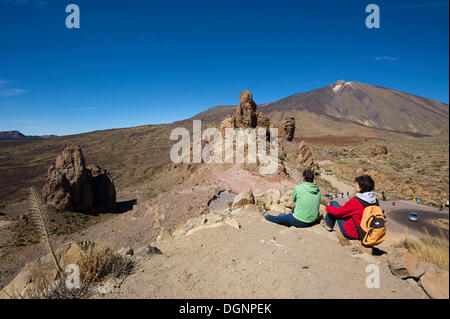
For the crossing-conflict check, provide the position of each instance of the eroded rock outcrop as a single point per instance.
(289, 128)
(245, 115)
(246, 111)
(305, 157)
(72, 186)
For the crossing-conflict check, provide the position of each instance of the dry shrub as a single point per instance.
(429, 249)
(58, 290)
(97, 262)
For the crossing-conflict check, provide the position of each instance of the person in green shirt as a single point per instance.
(307, 200)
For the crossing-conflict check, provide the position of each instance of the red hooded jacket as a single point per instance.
(353, 208)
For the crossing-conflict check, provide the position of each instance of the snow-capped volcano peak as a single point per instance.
(339, 85)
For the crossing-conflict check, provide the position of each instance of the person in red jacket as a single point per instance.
(351, 213)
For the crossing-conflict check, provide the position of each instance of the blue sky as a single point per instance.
(146, 61)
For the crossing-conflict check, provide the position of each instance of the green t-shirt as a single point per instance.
(307, 200)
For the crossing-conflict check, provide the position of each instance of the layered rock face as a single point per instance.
(305, 157)
(72, 186)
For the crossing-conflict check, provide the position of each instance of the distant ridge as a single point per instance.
(16, 135)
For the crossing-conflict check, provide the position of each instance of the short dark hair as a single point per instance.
(366, 183)
(308, 175)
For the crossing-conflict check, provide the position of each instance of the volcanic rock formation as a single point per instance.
(246, 111)
(289, 128)
(246, 115)
(71, 186)
(305, 157)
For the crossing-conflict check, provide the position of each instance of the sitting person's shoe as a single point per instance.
(325, 225)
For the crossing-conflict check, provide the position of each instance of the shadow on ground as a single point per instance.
(125, 206)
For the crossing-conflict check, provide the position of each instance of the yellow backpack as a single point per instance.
(372, 230)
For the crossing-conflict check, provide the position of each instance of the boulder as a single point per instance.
(395, 262)
(70, 185)
(278, 208)
(243, 198)
(286, 199)
(378, 150)
(435, 283)
(404, 265)
(263, 199)
(275, 194)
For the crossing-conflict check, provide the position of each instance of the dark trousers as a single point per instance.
(331, 220)
(288, 220)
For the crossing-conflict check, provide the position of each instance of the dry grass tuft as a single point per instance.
(58, 290)
(98, 262)
(432, 250)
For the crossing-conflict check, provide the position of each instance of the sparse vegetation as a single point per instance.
(56, 290)
(40, 218)
(60, 223)
(432, 250)
(412, 167)
(98, 262)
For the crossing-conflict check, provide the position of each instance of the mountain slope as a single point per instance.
(16, 135)
(11, 135)
(356, 105)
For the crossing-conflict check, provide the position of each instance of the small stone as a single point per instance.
(232, 222)
(153, 250)
(243, 198)
(105, 289)
(395, 261)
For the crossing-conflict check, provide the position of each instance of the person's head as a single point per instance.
(364, 183)
(308, 176)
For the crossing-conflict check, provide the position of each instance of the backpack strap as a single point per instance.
(357, 229)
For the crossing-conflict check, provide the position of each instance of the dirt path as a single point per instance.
(343, 187)
(260, 260)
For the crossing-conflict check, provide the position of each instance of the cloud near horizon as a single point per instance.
(11, 92)
(430, 4)
(37, 3)
(4, 92)
(386, 58)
